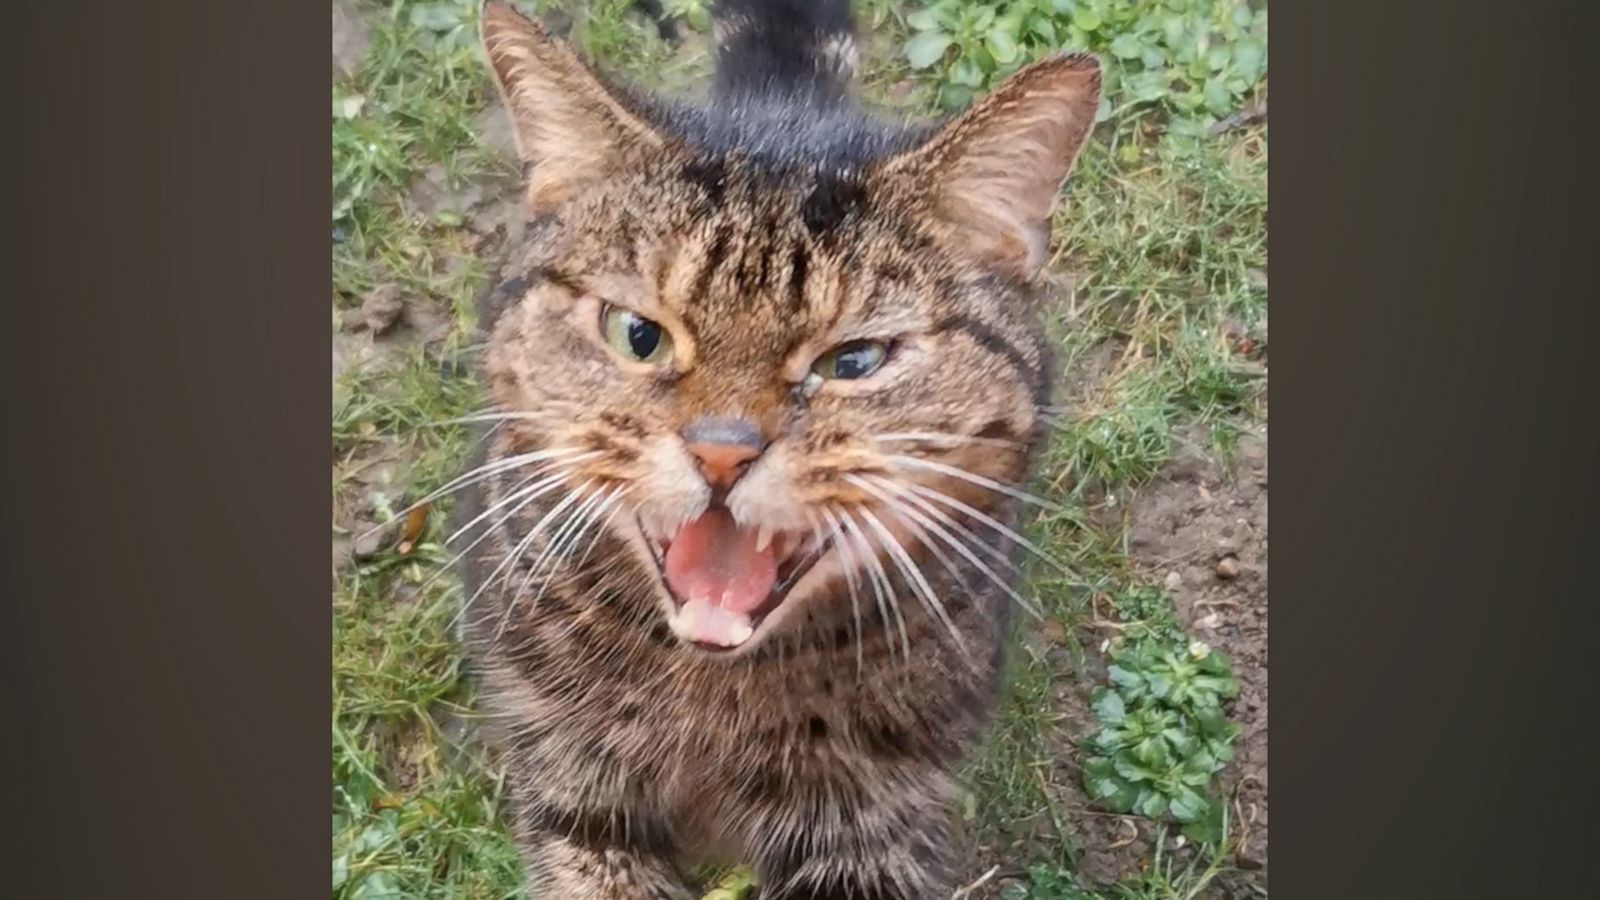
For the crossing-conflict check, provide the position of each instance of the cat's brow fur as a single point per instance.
(760, 230)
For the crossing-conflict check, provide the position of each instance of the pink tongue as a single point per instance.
(712, 559)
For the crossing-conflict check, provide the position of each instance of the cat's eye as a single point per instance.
(635, 336)
(856, 359)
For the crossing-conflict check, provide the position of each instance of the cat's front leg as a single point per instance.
(594, 854)
(891, 843)
(564, 867)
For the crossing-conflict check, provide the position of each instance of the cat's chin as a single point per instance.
(731, 629)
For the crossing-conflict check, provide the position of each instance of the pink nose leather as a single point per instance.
(722, 464)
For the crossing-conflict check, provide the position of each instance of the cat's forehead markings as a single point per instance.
(834, 198)
(691, 265)
(616, 287)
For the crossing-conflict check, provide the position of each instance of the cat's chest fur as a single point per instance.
(716, 751)
(611, 710)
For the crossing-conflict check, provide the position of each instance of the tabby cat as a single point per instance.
(762, 382)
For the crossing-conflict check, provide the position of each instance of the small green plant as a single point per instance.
(1195, 58)
(1163, 733)
(1046, 883)
(1161, 879)
(697, 13)
(738, 883)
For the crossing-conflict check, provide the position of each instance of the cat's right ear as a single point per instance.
(570, 129)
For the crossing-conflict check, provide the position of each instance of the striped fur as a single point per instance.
(759, 230)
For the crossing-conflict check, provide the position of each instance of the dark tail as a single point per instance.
(793, 48)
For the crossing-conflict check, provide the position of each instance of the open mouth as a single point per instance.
(726, 580)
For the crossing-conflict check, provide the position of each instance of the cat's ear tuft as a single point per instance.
(992, 175)
(571, 130)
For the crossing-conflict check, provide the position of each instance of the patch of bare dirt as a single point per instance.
(383, 329)
(351, 38)
(1199, 529)
(1202, 531)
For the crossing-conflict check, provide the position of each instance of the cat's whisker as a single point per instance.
(944, 437)
(904, 515)
(608, 508)
(897, 508)
(509, 557)
(999, 527)
(556, 455)
(615, 505)
(575, 523)
(971, 537)
(912, 462)
(881, 578)
(473, 418)
(913, 574)
(965, 551)
(588, 515)
(488, 470)
(581, 521)
(518, 491)
(849, 578)
(608, 567)
(522, 496)
(465, 607)
(849, 550)
(520, 549)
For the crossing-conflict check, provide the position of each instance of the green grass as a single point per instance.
(1161, 236)
(1163, 879)
(1162, 257)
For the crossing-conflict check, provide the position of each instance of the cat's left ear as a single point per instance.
(571, 130)
(990, 178)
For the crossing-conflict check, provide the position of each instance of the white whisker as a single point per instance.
(575, 523)
(912, 462)
(880, 578)
(909, 568)
(614, 505)
(972, 538)
(524, 504)
(561, 547)
(521, 548)
(488, 470)
(525, 496)
(971, 557)
(936, 437)
(897, 507)
(847, 563)
(518, 492)
(1010, 534)
(472, 418)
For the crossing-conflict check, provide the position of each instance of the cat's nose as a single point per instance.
(724, 447)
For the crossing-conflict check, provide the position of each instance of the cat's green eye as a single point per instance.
(856, 359)
(634, 336)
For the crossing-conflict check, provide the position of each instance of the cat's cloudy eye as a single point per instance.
(635, 336)
(856, 359)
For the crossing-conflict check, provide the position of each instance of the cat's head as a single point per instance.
(783, 367)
